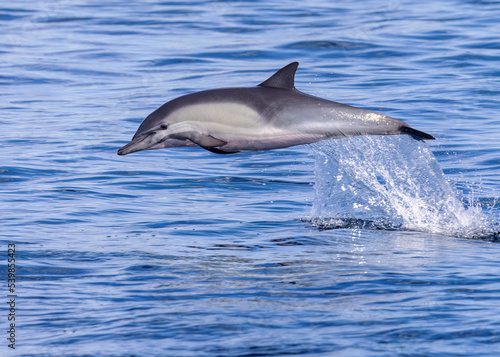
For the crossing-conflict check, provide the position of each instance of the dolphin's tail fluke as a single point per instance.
(416, 134)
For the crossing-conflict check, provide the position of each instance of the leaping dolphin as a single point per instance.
(272, 115)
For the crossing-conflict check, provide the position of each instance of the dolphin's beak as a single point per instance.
(153, 140)
(139, 143)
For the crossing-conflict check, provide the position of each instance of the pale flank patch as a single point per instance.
(227, 114)
(223, 120)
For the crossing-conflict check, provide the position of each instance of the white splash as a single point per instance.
(388, 182)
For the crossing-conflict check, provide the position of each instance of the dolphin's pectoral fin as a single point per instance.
(218, 151)
(210, 143)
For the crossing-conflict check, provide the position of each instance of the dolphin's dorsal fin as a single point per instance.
(283, 79)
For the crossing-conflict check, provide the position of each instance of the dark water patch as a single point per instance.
(9, 15)
(327, 45)
(466, 60)
(260, 23)
(239, 30)
(267, 348)
(468, 334)
(287, 241)
(179, 224)
(207, 183)
(230, 247)
(145, 267)
(433, 36)
(386, 53)
(69, 190)
(134, 23)
(243, 55)
(175, 61)
(41, 273)
(472, 58)
(94, 55)
(12, 179)
(13, 173)
(36, 79)
(481, 44)
(58, 221)
(58, 20)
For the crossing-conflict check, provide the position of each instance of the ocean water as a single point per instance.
(369, 246)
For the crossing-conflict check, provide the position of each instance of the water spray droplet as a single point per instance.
(389, 182)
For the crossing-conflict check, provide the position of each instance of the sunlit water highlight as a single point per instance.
(389, 182)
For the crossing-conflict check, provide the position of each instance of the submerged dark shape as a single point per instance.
(272, 115)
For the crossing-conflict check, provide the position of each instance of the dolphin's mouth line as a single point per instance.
(125, 149)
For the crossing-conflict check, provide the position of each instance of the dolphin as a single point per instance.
(272, 115)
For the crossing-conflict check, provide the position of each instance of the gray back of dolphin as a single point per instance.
(270, 116)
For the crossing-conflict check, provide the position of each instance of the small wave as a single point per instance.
(390, 182)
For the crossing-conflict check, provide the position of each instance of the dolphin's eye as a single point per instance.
(164, 126)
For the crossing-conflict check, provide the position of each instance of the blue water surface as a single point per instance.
(182, 252)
